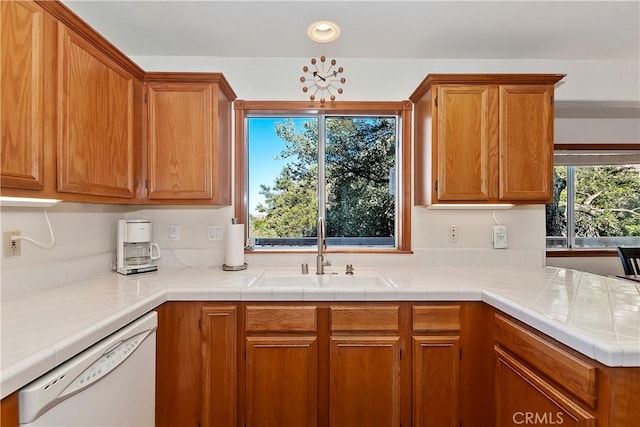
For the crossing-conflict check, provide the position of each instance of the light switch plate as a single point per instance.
(499, 237)
(214, 232)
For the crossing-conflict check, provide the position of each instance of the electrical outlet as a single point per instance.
(453, 234)
(11, 247)
(214, 232)
(174, 232)
(499, 237)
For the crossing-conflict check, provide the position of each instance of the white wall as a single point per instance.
(86, 230)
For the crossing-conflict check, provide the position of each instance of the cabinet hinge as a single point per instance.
(145, 184)
(400, 354)
(245, 355)
(436, 185)
(436, 101)
(200, 324)
(145, 98)
(551, 100)
(460, 353)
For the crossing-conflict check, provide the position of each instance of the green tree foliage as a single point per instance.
(607, 202)
(360, 154)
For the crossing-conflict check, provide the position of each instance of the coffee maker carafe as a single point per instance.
(135, 250)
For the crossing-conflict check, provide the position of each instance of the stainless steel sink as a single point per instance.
(292, 279)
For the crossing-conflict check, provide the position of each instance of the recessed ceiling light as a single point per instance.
(323, 31)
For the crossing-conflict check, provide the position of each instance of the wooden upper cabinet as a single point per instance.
(484, 138)
(96, 120)
(466, 142)
(22, 73)
(526, 143)
(188, 138)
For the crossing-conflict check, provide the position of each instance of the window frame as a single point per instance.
(403, 109)
(586, 252)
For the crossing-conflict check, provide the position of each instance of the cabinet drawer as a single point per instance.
(577, 376)
(436, 318)
(281, 318)
(372, 318)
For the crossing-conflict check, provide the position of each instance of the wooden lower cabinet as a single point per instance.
(281, 381)
(523, 397)
(9, 411)
(436, 381)
(364, 375)
(219, 365)
(391, 364)
(179, 365)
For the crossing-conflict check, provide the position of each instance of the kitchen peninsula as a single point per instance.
(572, 336)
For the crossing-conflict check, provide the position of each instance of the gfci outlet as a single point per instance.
(499, 237)
(453, 233)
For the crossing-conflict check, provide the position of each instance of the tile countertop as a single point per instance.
(597, 316)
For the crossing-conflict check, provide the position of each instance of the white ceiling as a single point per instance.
(533, 29)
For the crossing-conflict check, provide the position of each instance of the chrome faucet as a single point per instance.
(321, 263)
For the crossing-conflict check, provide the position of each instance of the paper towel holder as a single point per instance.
(226, 267)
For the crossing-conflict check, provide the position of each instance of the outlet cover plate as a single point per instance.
(11, 248)
(499, 237)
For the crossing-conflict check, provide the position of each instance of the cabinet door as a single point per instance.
(22, 72)
(178, 365)
(526, 143)
(523, 397)
(219, 366)
(180, 140)
(96, 120)
(281, 382)
(436, 366)
(364, 381)
(466, 142)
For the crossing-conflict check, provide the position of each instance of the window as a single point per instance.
(596, 199)
(340, 164)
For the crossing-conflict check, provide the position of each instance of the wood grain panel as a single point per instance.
(22, 75)
(281, 318)
(364, 385)
(436, 318)
(464, 142)
(219, 366)
(523, 396)
(526, 143)
(178, 365)
(96, 120)
(365, 318)
(577, 376)
(436, 379)
(422, 150)
(9, 413)
(180, 140)
(281, 382)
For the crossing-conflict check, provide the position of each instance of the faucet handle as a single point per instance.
(349, 269)
(326, 263)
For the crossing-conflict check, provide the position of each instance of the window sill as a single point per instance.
(381, 251)
(581, 253)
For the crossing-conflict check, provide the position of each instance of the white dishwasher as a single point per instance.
(109, 384)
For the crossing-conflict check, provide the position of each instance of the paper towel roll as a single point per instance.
(235, 245)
